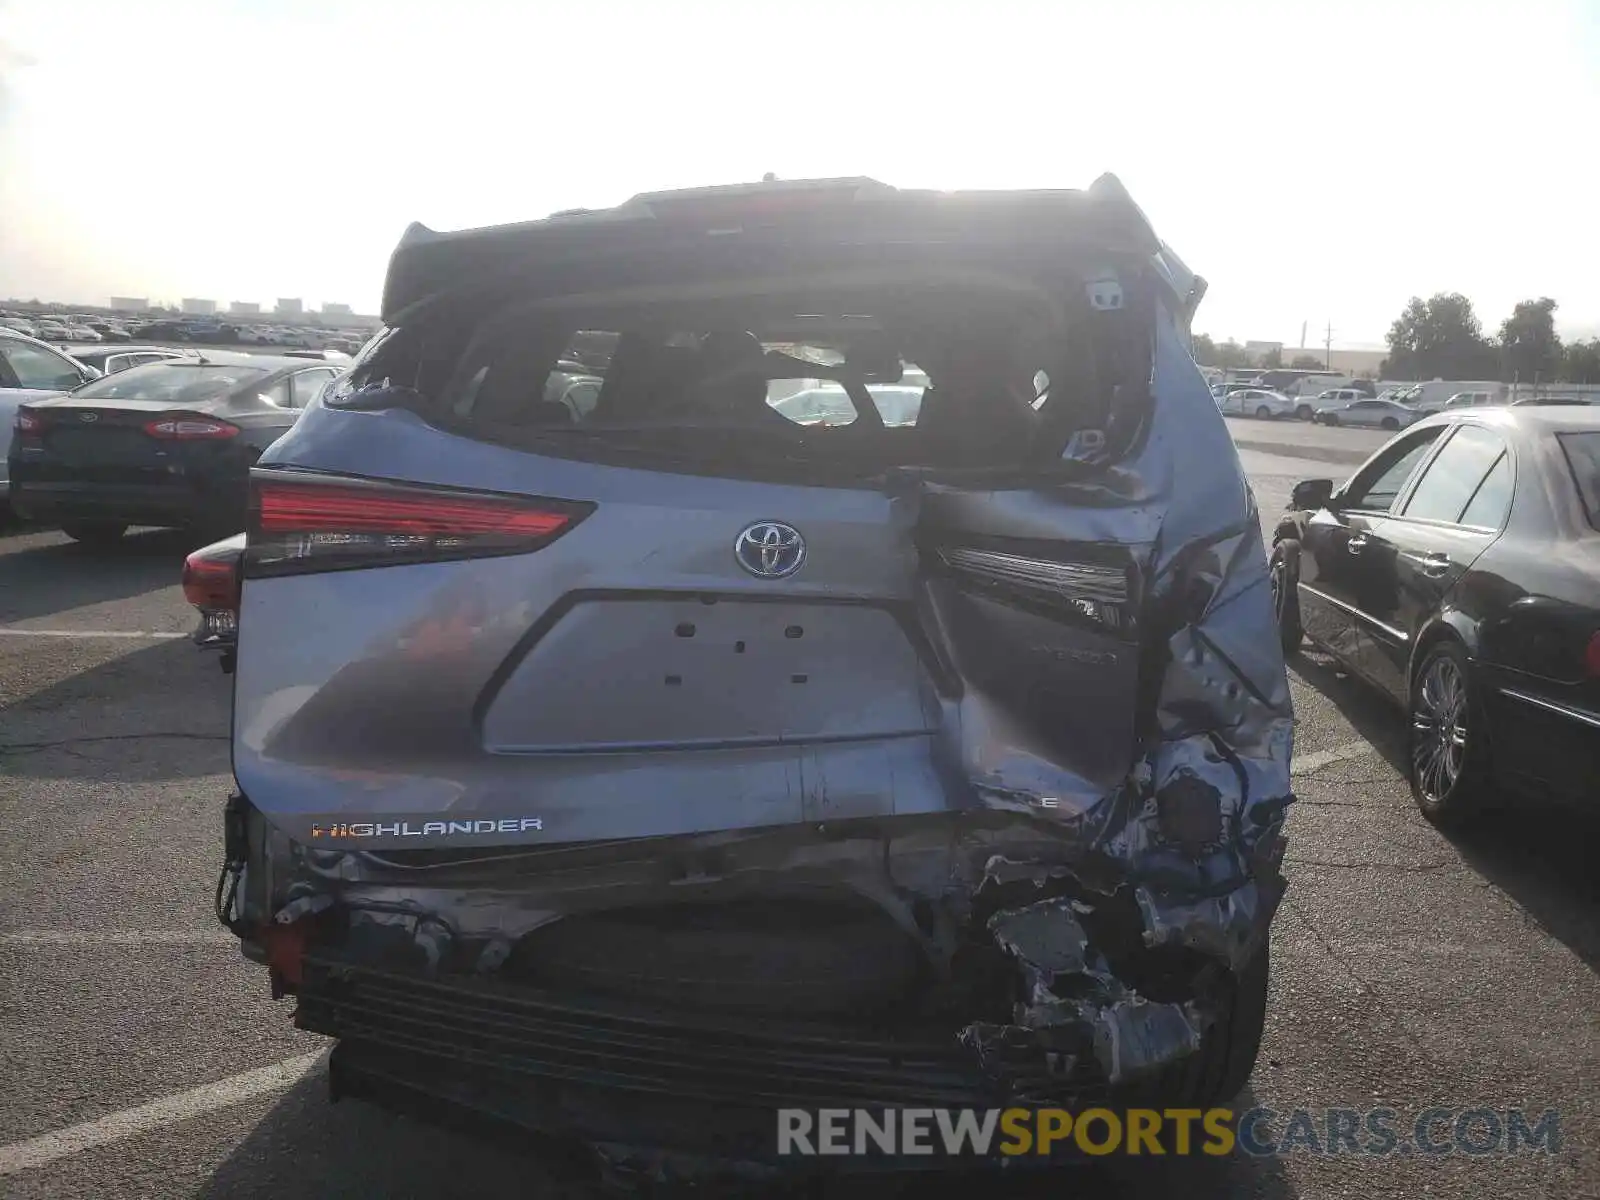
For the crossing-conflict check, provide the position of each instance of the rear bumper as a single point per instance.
(132, 504)
(543, 1042)
(596, 1075)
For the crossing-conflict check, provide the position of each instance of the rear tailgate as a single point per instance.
(630, 678)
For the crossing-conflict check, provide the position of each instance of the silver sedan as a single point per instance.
(1373, 414)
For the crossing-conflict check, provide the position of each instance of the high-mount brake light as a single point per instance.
(757, 205)
(313, 525)
(182, 428)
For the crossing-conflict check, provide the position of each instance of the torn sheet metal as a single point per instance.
(1073, 996)
(1196, 824)
(1230, 927)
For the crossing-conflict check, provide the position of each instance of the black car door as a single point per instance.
(1335, 575)
(1417, 552)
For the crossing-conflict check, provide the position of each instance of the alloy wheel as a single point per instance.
(1439, 729)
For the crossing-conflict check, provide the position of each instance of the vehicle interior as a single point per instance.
(1008, 369)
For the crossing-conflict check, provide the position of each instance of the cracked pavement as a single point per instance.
(1410, 968)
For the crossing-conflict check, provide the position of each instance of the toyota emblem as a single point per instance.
(88, 416)
(770, 549)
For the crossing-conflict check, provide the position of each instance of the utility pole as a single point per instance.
(1302, 335)
(1327, 349)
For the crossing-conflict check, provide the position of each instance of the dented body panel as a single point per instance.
(1038, 731)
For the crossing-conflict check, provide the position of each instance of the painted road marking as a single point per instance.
(131, 937)
(169, 1110)
(89, 633)
(1305, 764)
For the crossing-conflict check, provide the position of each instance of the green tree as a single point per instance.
(1439, 338)
(1203, 349)
(1231, 355)
(1529, 347)
(1305, 362)
(1580, 362)
(1272, 359)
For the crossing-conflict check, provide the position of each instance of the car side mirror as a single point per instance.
(1312, 494)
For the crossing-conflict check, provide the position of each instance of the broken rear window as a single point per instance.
(892, 370)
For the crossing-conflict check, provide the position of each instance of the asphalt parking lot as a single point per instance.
(143, 1056)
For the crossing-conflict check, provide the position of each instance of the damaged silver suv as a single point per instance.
(625, 762)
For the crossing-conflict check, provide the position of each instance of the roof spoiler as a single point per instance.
(428, 262)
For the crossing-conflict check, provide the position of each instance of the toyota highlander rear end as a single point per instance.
(625, 763)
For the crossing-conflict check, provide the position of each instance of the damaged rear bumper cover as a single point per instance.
(1085, 985)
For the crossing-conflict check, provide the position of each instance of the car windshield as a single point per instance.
(1583, 456)
(188, 383)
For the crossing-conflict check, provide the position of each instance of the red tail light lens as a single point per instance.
(27, 422)
(1591, 657)
(190, 429)
(211, 583)
(319, 526)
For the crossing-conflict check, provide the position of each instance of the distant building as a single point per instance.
(244, 308)
(290, 307)
(1260, 350)
(335, 310)
(130, 303)
(197, 307)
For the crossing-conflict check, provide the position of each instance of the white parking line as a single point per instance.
(89, 633)
(169, 1110)
(1305, 764)
(130, 937)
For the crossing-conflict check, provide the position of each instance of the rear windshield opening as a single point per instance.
(915, 376)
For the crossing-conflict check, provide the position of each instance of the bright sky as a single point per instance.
(1315, 161)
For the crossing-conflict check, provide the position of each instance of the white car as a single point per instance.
(1256, 402)
(52, 331)
(1307, 407)
(30, 370)
(1371, 414)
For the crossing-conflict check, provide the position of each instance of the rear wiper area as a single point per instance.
(380, 395)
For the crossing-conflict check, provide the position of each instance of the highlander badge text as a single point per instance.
(367, 829)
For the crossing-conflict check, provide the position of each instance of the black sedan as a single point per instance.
(1458, 571)
(169, 443)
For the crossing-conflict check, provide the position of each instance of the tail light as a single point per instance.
(28, 422)
(324, 526)
(1591, 657)
(211, 583)
(183, 428)
(1099, 592)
